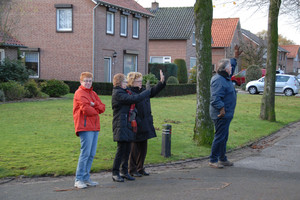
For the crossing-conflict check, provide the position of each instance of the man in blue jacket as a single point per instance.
(222, 105)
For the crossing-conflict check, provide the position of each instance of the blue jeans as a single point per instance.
(88, 141)
(218, 148)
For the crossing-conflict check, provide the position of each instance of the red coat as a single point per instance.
(86, 117)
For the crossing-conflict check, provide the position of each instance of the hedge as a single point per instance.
(169, 69)
(99, 88)
(169, 90)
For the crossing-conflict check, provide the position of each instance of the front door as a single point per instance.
(107, 69)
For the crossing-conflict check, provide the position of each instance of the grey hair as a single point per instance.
(223, 64)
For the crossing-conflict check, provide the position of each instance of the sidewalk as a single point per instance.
(268, 170)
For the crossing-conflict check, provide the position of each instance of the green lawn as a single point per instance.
(37, 138)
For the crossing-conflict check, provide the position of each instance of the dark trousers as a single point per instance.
(218, 148)
(121, 158)
(137, 156)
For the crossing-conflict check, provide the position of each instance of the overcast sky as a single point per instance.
(250, 20)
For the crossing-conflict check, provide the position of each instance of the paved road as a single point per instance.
(268, 170)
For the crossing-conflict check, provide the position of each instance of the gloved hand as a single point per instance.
(222, 112)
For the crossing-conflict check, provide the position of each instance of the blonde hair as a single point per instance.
(118, 79)
(132, 76)
(85, 75)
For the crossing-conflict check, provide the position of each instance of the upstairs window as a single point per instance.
(193, 39)
(64, 17)
(123, 25)
(110, 23)
(135, 28)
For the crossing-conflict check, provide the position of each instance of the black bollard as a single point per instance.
(166, 140)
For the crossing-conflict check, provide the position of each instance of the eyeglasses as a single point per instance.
(138, 81)
(87, 81)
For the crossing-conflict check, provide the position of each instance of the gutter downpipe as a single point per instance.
(94, 38)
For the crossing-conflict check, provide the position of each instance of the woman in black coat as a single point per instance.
(122, 99)
(144, 120)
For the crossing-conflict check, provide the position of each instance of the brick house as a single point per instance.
(293, 58)
(67, 37)
(257, 42)
(9, 47)
(172, 36)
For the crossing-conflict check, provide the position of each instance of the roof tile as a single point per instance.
(127, 4)
(222, 31)
(9, 40)
(293, 49)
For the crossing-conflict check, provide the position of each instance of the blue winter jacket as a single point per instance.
(222, 94)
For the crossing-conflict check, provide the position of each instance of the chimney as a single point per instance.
(154, 6)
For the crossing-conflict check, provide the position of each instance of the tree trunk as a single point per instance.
(267, 111)
(204, 129)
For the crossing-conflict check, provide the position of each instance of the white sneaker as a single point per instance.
(80, 184)
(91, 183)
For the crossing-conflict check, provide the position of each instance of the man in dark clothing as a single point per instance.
(222, 106)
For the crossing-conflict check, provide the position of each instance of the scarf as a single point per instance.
(132, 115)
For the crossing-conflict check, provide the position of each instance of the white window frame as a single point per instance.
(136, 60)
(109, 70)
(165, 59)
(135, 30)
(123, 25)
(63, 29)
(194, 39)
(38, 62)
(2, 55)
(194, 59)
(110, 25)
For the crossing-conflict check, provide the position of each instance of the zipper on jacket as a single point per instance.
(84, 120)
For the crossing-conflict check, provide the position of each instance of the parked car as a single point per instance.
(286, 84)
(298, 77)
(239, 78)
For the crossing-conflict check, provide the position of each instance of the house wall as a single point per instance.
(63, 55)
(10, 52)
(217, 55)
(107, 44)
(177, 49)
(282, 61)
(190, 52)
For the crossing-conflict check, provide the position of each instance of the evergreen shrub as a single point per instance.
(172, 80)
(151, 77)
(2, 96)
(13, 90)
(55, 88)
(32, 89)
(182, 71)
(253, 72)
(169, 69)
(193, 75)
(13, 70)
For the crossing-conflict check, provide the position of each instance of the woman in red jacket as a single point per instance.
(86, 109)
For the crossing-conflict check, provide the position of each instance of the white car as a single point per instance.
(286, 84)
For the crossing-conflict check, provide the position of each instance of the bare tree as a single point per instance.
(8, 20)
(204, 129)
(253, 54)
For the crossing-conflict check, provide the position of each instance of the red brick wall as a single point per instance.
(174, 48)
(62, 55)
(65, 55)
(107, 44)
(217, 55)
